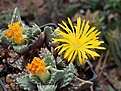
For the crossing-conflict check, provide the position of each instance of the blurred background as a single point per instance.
(104, 14)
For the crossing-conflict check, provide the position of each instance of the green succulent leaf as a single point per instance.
(48, 38)
(26, 84)
(34, 79)
(20, 48)
(55, 75)
(32, 31)
(3, 39)
(16, 16)
(68, 76)
(48, 31)
(28, 32)
(54, 34)
(35, 30)
(1, 36)
(46, 87)
(47, 56)
(77, 84)
(18, 62)
(60, 62)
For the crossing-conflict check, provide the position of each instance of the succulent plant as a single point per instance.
(46, 87)
(66, 75)
(19, 35)
(48, 54)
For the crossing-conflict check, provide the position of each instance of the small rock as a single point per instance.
(8, 79)
(17, 87)
(7, 86)
(13, 86)
(10, 75)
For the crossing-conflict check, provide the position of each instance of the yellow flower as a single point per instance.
(18, 40)
(37, 65)
(78, 41)
(8, 33)
(15, 32)
(15, 29)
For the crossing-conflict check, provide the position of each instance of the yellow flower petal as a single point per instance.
(63, 49)
(79, 42)
(92, 53)
(71, 24)
(86, 28)
(74, 56)
(78, 25)
(68, 51)
(71, 55)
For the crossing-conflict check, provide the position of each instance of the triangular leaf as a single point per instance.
(46, 87)
(26, 84)
(20, 48)
(55, 75)
(16, 16)
(77, 84)
(47, 56)
(68, 76)
(34, 79)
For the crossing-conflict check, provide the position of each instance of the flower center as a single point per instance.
(76, 43)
